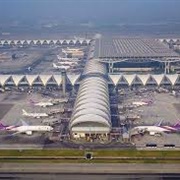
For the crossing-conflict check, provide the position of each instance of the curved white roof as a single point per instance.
(97, 97)
(101, 88)
(91, 105)
(94, 66)
(92, 111)
(91, 108)
(100, 102)
(95, 91)
(90, 118)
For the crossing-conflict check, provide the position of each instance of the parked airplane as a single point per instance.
(65, 63)
(61, 67)
(71, 50)
(29, 68)
(157, 129)
(67, 59)
(141, 103)
(42, 104)
(61, 100)
(34, 115)
(26, 128)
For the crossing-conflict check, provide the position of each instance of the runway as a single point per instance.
(89, 168)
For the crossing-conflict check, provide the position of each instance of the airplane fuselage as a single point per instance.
(29, 128)
(38, 115)
(156, 129)
(44, 104)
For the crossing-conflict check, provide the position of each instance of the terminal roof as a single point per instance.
(129, 48)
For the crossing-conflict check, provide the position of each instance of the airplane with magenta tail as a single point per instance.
(25, 128)
(157, 129)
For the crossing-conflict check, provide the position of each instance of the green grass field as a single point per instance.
(96, 153)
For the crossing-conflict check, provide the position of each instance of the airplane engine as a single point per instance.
(29, 133)
(152, 133)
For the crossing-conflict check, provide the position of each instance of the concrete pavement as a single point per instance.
(83, 168)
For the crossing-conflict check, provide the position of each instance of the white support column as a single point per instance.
(168, 66)
(165, 68)
(63, 73)
(109, 65)
(112, 65)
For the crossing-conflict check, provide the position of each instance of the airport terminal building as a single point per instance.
(91, 117)
(135, 53)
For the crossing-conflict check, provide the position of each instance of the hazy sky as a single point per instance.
(95, 11)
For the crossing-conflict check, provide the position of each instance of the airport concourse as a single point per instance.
(91, 115)
(101, 91)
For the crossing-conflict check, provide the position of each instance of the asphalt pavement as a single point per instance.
(90, 168)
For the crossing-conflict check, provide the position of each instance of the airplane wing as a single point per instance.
(13, 134)
(19, 132)
(24, 123)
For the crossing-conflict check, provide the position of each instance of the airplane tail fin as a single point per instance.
(24, 123)
(24, 112)
(31, 101)
(177, 124)
(54, 65)
(2, 126)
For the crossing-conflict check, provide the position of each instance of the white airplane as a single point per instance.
(61, 100)
(67, 59)
(61, 67)
(29, 68)
(34, 115)
(157, 129)
(26, 128)
(141, 103)
(67, 63)
(71, 49)
(42, 104)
